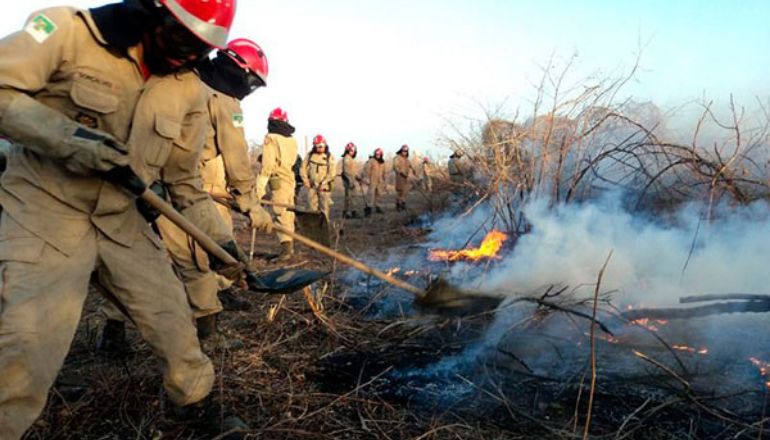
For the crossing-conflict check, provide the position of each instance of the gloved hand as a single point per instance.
(261, 188)
(126, 178)
(231, 271)
(260, 219)
(93, 151)
(148, 212)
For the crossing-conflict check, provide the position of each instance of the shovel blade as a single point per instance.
(446, 299)
(314, 226)
(283, 281)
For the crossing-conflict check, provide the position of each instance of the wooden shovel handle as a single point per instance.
(342, 258)
(224, 199)
(176, 218)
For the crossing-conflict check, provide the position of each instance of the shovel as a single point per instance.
(278, 282)
(314, 224)
(439, 295)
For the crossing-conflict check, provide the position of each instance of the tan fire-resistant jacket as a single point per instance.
(58, 60)
(279, 153)
(348, 170)
(225, 137)
(402, 167)
(373, 173)
(318, 169)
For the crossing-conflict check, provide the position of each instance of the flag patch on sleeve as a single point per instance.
(41, 28)
(238, 120)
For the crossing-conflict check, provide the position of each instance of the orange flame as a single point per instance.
(650, 324)
(489, 248)
(682, 347)
(764, 368)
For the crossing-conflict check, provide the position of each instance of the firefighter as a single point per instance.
(403, 171)
(458, 171)
(86, 98)
(233, 74)
(373, 175)
(318, 176)
(348, 174)
(427, 175)
(278, 156)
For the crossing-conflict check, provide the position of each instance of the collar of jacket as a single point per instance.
(281, 128)
(117, 27)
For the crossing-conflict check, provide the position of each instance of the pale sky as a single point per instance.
(383, 73)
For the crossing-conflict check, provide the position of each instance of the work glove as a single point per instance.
(233, 271)
(50, 133)
(261, 188)
(260, 219)
(94, 151)
(126, 178)
(148, 212)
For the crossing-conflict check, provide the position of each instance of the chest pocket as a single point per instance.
(169, 130)
(92, 104)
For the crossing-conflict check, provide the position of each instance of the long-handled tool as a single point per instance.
(281, 281)
(439, 294)
(314, 224)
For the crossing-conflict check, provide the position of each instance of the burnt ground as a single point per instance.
(342, 370)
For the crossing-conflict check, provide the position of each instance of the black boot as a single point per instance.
(287, 251)
(231, 301)
(378, 210)
(207, 326)
(112, 340)
(367, 211)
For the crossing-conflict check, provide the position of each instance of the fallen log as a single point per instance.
(696, 312)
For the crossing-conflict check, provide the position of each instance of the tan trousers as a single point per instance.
(427, 184)
(319, 201)
(284, 194)
(373, 194)
(402, 188)
(190, 260)
(42, 292)
(350, 194)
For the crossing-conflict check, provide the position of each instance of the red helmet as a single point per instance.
(279, 114)
(209, 20)
(426, 159)
(378, 152)
(404, 147)
(350, 147)
(248, 55)
(319, 139)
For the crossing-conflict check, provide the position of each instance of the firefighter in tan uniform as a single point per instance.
(233, 74)
(90, 123)
(373, 175)
(457, 169)
(426, 181)
(318, 176)
(349, 175)
(279, 153)
(403, 171)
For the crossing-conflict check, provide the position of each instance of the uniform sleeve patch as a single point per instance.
(238, 120)
(41, 28)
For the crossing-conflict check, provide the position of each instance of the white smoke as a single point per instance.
(651, 259)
